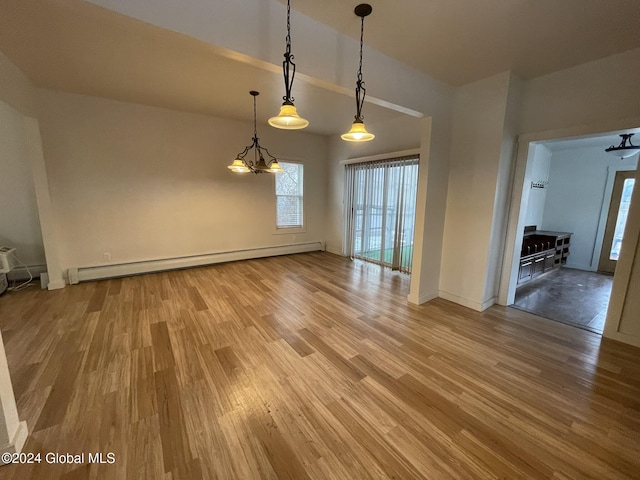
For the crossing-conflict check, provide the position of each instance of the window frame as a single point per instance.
(296, 229)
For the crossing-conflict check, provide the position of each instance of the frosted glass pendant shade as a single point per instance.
(358, 133)
(275, 167)
(238, 166)
(288, 118)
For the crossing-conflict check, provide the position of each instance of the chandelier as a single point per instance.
(358, 132)
(288, 118)
(623, 150)
(258, 164)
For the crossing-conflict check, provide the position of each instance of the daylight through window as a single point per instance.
(289, 196)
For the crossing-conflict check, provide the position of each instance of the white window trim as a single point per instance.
(291, 230)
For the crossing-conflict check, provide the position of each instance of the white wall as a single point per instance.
(629, 324)
(576, 198)
(479, 114)
(504, 180)
(540, 165)
(605, 89)
(145, 183)
(16, 89)
(19, 223)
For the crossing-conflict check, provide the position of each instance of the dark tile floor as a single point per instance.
(570, 296)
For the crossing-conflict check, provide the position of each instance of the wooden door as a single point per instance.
(616, 220)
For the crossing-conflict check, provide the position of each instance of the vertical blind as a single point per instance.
(380, 201)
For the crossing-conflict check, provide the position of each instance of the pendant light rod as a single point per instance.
(362, 10)
(288, 65)
(288, 118)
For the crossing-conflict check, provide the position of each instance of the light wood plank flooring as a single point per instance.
(311, 367)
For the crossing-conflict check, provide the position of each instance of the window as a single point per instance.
(621, 222)
(380, 204)
(289, 196)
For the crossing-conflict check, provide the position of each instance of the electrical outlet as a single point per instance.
(106, 256)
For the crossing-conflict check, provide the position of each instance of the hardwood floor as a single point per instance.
(310, 367)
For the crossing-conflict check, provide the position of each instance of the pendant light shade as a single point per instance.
(358, 132)
(242, 164)
(288, 118)
(624, 150)
(238, 166)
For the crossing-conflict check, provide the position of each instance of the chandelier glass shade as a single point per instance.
(243, 162)
(288, 118)
(358, 132)
(624, 150)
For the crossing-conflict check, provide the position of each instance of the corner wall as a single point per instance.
(133, 183)
(540, 167)
(19, 221)
(478, 168)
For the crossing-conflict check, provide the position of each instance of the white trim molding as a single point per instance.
(466, 302)
(84, 274)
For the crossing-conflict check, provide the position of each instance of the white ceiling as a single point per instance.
(78, 47)
(461, 41)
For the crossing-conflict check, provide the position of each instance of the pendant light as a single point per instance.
(258, 165)
(358, 132)
(623, 150)
(288, 118)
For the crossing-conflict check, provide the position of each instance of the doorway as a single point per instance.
(580, 187)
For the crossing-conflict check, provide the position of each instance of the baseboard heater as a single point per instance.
(84, 274)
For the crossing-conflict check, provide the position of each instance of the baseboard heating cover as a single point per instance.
(84, 274)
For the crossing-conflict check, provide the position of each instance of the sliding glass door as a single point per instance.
(380, 200)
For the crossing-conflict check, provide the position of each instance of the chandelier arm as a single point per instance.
(243, 154)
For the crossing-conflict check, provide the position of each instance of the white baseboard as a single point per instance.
(465, 302)
(418, 299)
(83, 274)
(623, 337)
(335, 251)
